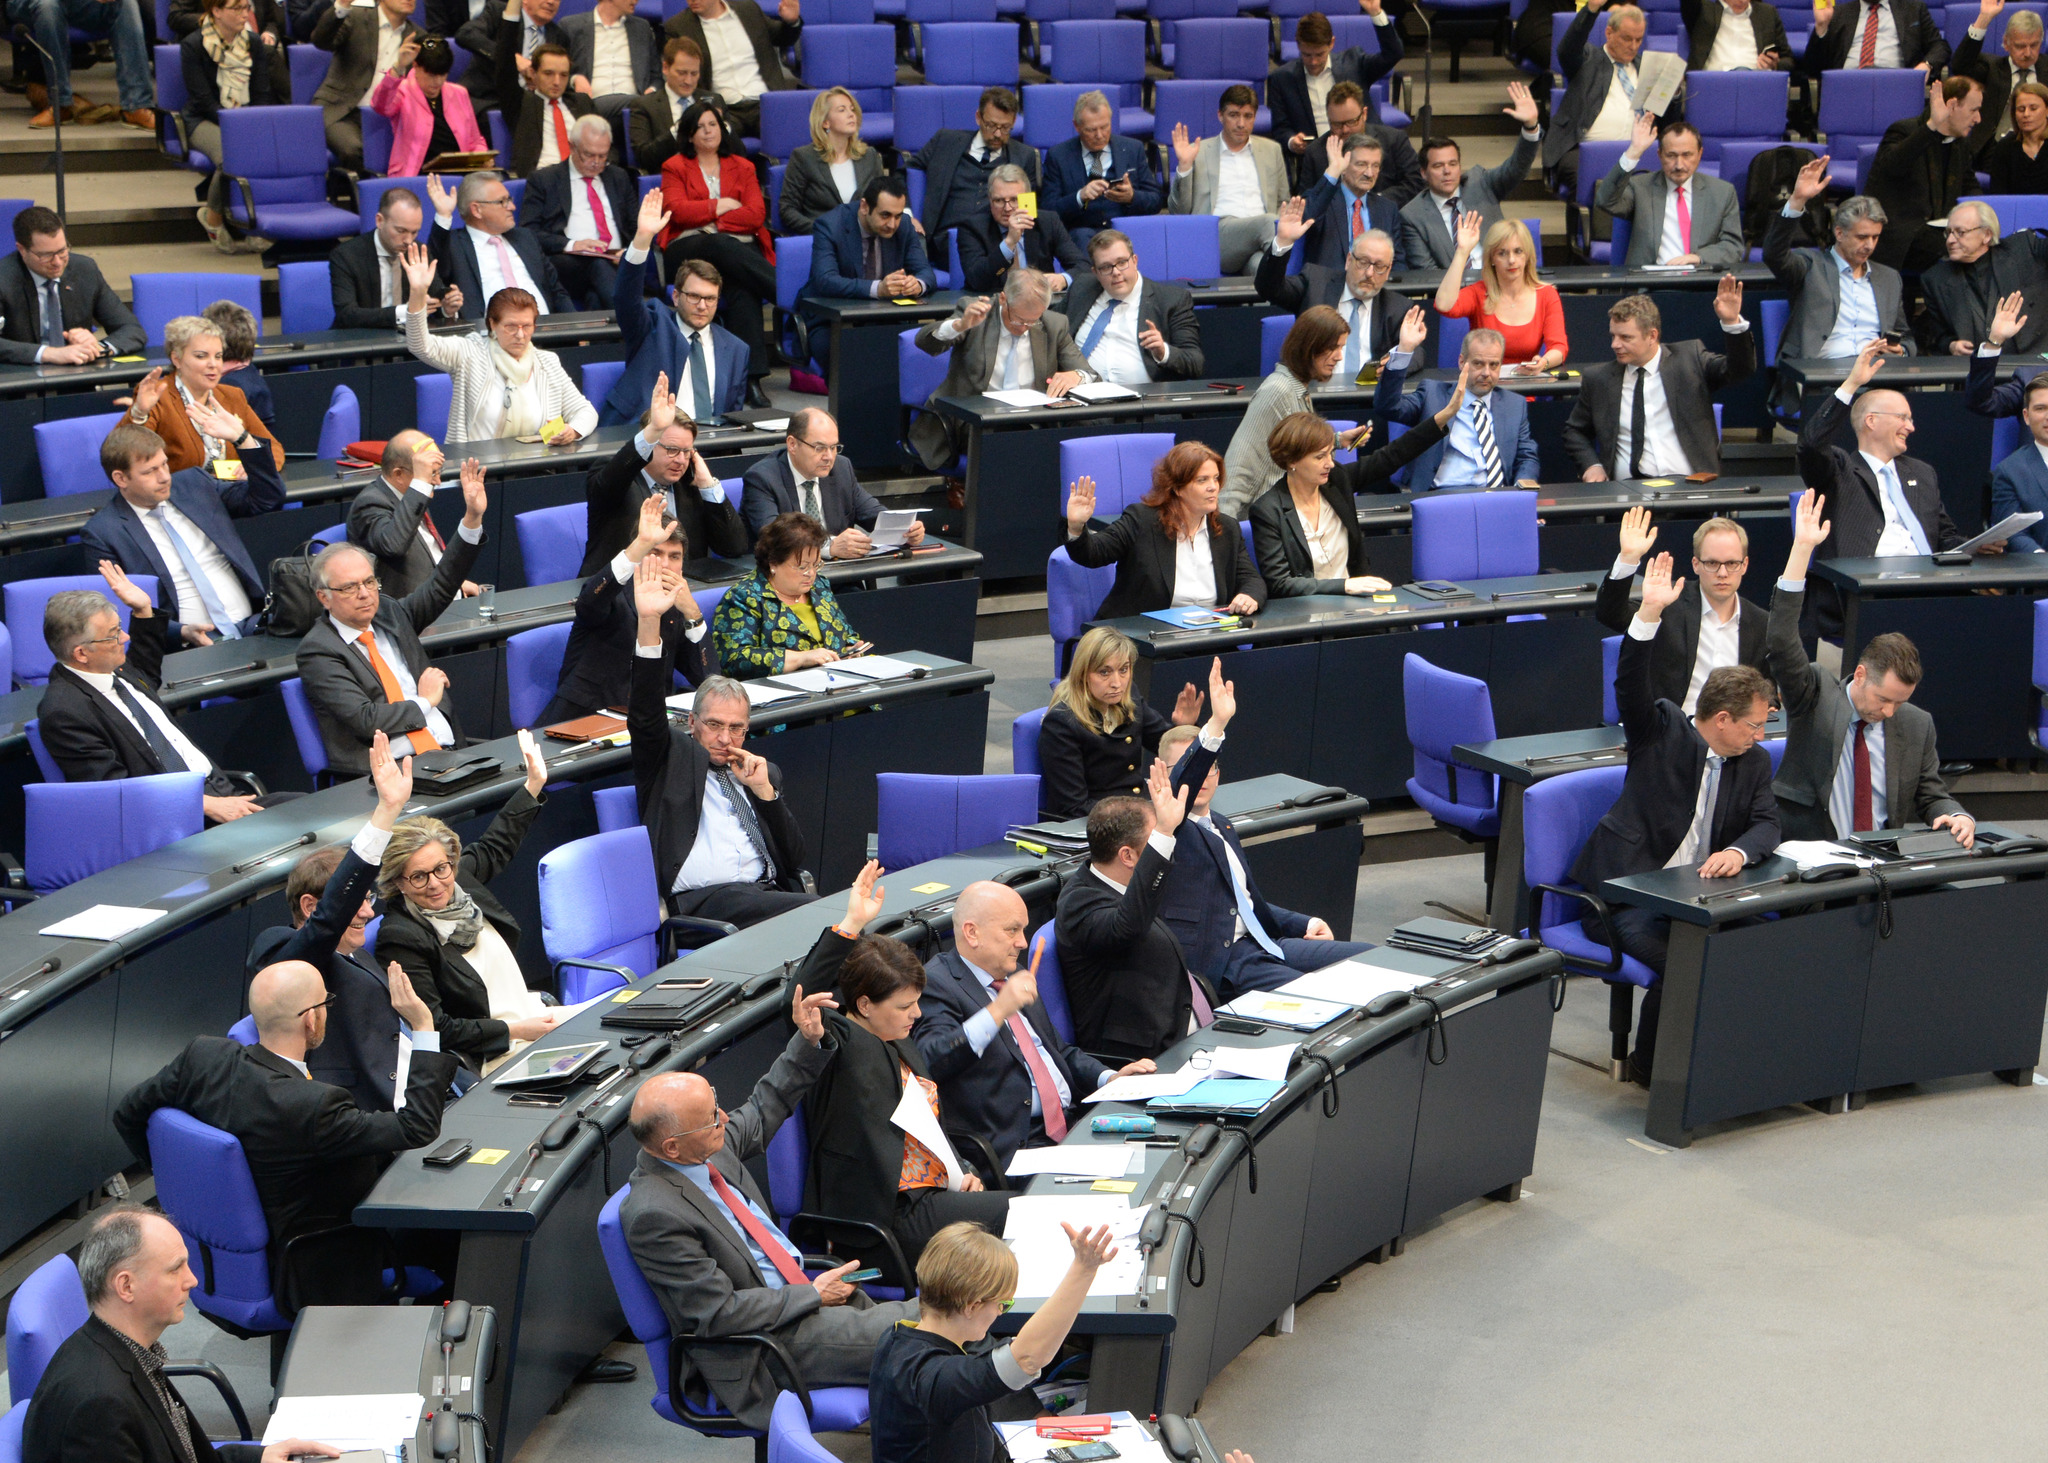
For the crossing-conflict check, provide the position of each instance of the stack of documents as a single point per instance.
(1816, 854)
(382, 1421)
(1078, 1160)
(1354, 982)
(1044, 1253)
(1132, 1443)
(1302, 1013)
(1146, 1086)
(103, 922)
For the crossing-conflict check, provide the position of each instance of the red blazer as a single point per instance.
(412, 121)
(690, 207)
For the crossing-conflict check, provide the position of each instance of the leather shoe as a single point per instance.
(756, 397)
(47, 117)
(1637, 1073)
(956, 493)
(604, 1369)
(143, 119)
(38, 97)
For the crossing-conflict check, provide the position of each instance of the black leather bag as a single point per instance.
(292, 606)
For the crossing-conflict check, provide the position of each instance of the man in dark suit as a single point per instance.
(178, 526)
(1004, 1074)
(2019, 484)
(1698, 793)
(1668, 391)
(392, 517)
(51, 300)
(467, 259)
(1837, 778)
(1017, 343)
(613, 53)
(1343, 206)
(656, 463)
(702, 1234)
(682, 342)
(726, 845)
(1004, 235)
(811, 475)
(1428, 220)
(651, 123)
(1357, 291)
(597, 666)
(1886, 34)
(313, 1153)
(2020, 64)
(1708, 626)
(536, 98)
(741, 27)
(1298, 91)
(1131, 328)
(1921, 168)
(1963, 290)
(1599, 88)
(1095, 176)
(1489, 442)
(364, 41)
(105, 1396)
(1740, 35)
(366, 278)
(957, 162)
(363, 666)
(579, 209)
(864, 250)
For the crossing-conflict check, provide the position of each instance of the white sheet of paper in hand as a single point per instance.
(1021, 397)
(1090, 1160)
(1044, 1252)
(1269, 1062)
(1146, 1085)
(102, 922)
(890, 527)
(1353, 982)
(914, 1116)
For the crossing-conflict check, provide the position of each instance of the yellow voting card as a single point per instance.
(1029, 203)
(1657, 482)
(624, 996)
(489, 1155)
(1385, 599)
(929, 888)
(229, 470)
(1113, 1186)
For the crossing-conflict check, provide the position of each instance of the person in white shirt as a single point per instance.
(1709, 626)
(577, 211)
(741, 42)
(1132, 329)
(607, 74)
(1240, 178)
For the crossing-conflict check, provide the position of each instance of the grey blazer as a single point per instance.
(640, 46)
(1248, 468)
(1817, 725)
(1814, 279)
(1196, 193)
(1643, 195)
(352, 36)
(939, 441)
(808, 191)
(1428, 236)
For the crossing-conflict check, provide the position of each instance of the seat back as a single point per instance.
(343, 423)
(11, 1430)
(598, 901)
(975, 53)
(1475, 535)
(1233, 49)
(72, 830)
(861, 58)
(792, 268)
(162, 297)
(1024, 740)
(1857, 106)
(68, 449)
(949, 12)
(204, 1185)
(1176, 246)
(41, 1316)
(1558, 816)
(1272, 335)
(599, 377)
(24, 602)
(298, 709)
(789, 1166)
(370, 195)
(1443, 709)
(1049, 112)
(1072, 596)
(308, 65)
(552, 541)
(922, 111)
(433, 395)
(789, 1433)
(1610, 661)
(920, 816)
(2015, 211)
(786, 118)
(1775, 314)
(377, 138)
(533, 669)
(45, 763)
(642, 1308)
(617, 807)
(305, 298)
(1189, 103)
(1052, 985)
(244, 1030)
(1096, 51)
(1451, 331)
(171, 97)
(917, 374)
(1729, 104)
(1121, 467)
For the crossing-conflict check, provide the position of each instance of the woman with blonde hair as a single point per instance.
(1097, 739)
(1508, 296)
(163, 404)
(2015, 161)
(832, 167)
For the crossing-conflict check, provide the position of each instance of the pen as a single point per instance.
(1083, 1180)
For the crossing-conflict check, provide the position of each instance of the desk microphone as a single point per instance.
(1178, 1438)
(454, 1328)
(446, 1437)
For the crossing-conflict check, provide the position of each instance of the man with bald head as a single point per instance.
(703, 1236)
(1004, 1074)
(313, 1153)
(390, 518)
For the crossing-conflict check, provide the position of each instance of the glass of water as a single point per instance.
(487, 601)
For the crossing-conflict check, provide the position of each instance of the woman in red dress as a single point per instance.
(1507, 296)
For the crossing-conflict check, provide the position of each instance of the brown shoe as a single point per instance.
(38, 97)
(47, 117)
(142, 120)
(956, 493)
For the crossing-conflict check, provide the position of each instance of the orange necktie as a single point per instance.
(561, 129)
(422, 740)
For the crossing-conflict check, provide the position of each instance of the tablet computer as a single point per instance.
(552, 1064)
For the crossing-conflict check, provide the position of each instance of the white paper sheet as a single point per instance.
(1817, 853)
(375, 1420)
(772, 424)
(1044, 1253)
(1019, 398)
(1999, 532)
(1299, 1012)
(1093, 391)
(102, 922)
(1353, 982)
(1146, 1086)
(875, 667)
(1269, 1062)
(1090, 1160)
(914, 1116)
(1130, 1440)
(890, 527)
(760, 693)
(809, 681)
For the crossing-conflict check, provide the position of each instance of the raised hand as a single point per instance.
(1187, 706)
(1469, 230)
(1660, 590)
(1184, 148)
(214, 420)
(1867, 362)
(807, 1013)
(651, 594)
(442, 198)
(1938, 107)
(147, 392)
(1222, 696)
(1636, 535)
(1728, 300)
(1414, 329)
(408, 52)
(1456, 402)
(648, 532)
(974, 312)
(653, 219)
(536, 764)
(1809, 529)
(2007, 321)
(474, 498)
(1291, 225)
(863, 900)
(1812, 181)
(1642, 135)
(1333, 150)
(1168, 806)
(392, 777)
(419, 274)
(1093, 1248)
(125, 589)
(1080, 505)
(1521, 105)
(405, 1000)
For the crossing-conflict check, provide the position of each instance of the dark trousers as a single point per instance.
(1247, 967)
(589, 278)
(748, 280)
(1646, 937)
(736, 904)
(922, 1213)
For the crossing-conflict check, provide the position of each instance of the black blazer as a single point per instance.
(1956, 295)
(768, 31)
(345, 692)
(545, 207)
(1047, 247)
(454, 254)
(355, 284)
(771, 490)
(93, 742)
(612, 495)
(1078, 768)
(943, 153)
(95, 1404)
(1287, 86)
(1917, 174)
(641, 47)
(597, 667)
(669, 767)
(1986, 395)
(202, 78)
(1692, 375)
(386, 523)
(1316, 285)
(1703, 24)
(1677, 645)
(1166, 307)
(1920, 39)
(1666, 757)
(808, 192)
(990, 1095)
(1996, 72)
(523, 110)
(651, 129)
(1855, 507)
(313, 1153)
(1144, 559)
(87, 301)
(442, 974)
(1281, 543)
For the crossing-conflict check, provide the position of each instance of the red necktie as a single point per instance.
(771, 1245)
(433, 532)
(1357, 218)
(1049, 1105)
(604, 230)
(1868, 56)
(561, 129)
(1861, 815)
(1684, 222)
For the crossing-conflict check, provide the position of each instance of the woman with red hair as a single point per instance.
(716, 213)
(1171, 547)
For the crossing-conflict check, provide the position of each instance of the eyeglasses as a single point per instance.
(317, 1006)
(114, 639)
(354, 587)
(827, 449)
(728, 728)
(1719, 566)
(1373, 266)
(716, 1122)
(425, 877)
(1009, 1305)
(1904, 416)
(1115, 266)
(700, 298)
(674, 451)
(1956, 231)
(502, 201)
(1755, 726)
(50, 256)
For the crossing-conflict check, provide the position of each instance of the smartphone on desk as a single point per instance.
(1083, 1452)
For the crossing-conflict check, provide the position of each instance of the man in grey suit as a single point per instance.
(1428, 220)
(365, 42)
(1019, 344)
(1240, 178)
(702, 1236)
(1841, 300)
(1681, 216)
(1652, 408)
(1837, 777)
(613, 54)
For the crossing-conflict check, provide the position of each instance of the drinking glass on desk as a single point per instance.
(487, 601)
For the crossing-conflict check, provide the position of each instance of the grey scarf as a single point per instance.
(459, 922)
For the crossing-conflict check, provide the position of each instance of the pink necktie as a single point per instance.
(1684, 222)
(1203, 1015)
(604, 231)
(505, 266)
(1050, 1108)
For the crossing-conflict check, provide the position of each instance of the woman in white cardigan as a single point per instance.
(504, 385)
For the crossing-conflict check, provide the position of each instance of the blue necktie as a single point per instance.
(215, 610)
(697, 358)
(1094, 336)
(1889, 478)
(1243, 896)
(1354, 347)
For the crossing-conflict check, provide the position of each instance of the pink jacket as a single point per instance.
(412, 121)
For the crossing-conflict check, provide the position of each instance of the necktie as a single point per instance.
(1889, 479)
(53, 314)
(808, 500)
(506, 268)
(1050, 1109)
(1013, 374)
(215, 610)
(744, 811)
(1489, 449)
(1700, 834)
(871, 258)
(1684, 221)
(1626, 75)
(561, 129)
(1095, 331)
(1098, 165)
(771, 1244)
(1242, 894)
(1354, 347)
(422, 740)
(604, 230)
(1863, 817)
(1357, 218)
(1867, 57)
(427, 526)
(697, 358)
(166, 755)
(1635, 426)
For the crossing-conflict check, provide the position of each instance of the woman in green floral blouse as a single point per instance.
(781, 617)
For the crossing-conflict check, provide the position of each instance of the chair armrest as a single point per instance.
(1613, 964)
(781, 1366)
(14, 888)
(675, 926)
(625, 973)
(249, 779)
(287, 1304)
(860, 1233)
(983, 1158)
(248, 199)
(219, 1379)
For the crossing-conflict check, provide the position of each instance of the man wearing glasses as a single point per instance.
(1132, 329)
(1964, 289)
(811, 475)
(362, 663)
(1708, 626)
(706, 362)
(1357, 291)
(51, 300)
(660, 461)
(491, 251)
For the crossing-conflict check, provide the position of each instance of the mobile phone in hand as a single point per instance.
(856, 1277)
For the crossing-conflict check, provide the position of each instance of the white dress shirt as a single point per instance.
(389, 38)
(550, 146)
(1329, 547)
(1842, 796)
(195, 760)
(704, 361)
(611, 59)
(1735, 42)
(391, 293)
(1617, 116)
(1118, 357)
(1662, 456)
(220, 573)
(1194, 569)
(426, 490)
(1897, 539)
(843, 179)
(733, 65)
(1720, 644)
(722, 854)
(582, 222)
(1888, 57)
(408, 687)
(1319, 89)
(1238, 194)
(1011, 368)
(980, 1029)
(490, 273)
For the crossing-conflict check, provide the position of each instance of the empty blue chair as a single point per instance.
(552, 541)
(1072, 596)
(1444, 709)
(1188, 103)
(41, 1316)
(617, 807)
(204, 1185)
(599, 377)
(1451, 331)
(917, 377)
(376, 139)
(24, 601)
(308, 65)
(1176, 246)
(600, 912)
(305, 723)
(789, 1434)
(1049, 112)
(1475, 535)
(533, 669)
(792, 273)
(975, 53)
(433, 394)
(1052, 983)
(305, 297)
(343, 423)
(1232, 49)
(69, 451)
(861, 58)
(1728, 106)
(1272, 335)
(11, 1430)
(75, 829)
(1024, 742)
(921, 111)
(920, 817)
(786, 120)
(162, 297)
(1109, 54)
(1121, 467)
(1855, 109)
(280, 154)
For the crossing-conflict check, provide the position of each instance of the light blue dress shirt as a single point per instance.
(980, 1030)
(700, 1175)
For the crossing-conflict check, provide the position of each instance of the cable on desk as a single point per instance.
(1884, 902)
(1332, 1099)
(1197, 1268)
(1438, 1049)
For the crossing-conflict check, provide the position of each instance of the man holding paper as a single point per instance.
(812, 476)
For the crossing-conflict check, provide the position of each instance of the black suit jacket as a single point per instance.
(1996, 72)
(95, 1404)
(1280, 543)
(313, 1153)
(1677, 645)
(454, 254)
(1987, 396)
(93, 742)
(1166, 307)
(1048, 247)
(1144, 559)
(87, 300)
(1287, 86)
(1956, 295)
(1920, 39)
(652, 130)
(769, 33)
(669, 768)
(1666, 758)
(387, 524)
(641, 46)
(1316, 285)
(1703, 24)
(771, 490)
(523, 110)
(1692, 375)
(357, 287)
(612, 495)
(545, 208)
(442, 974)
(1917, 174)
(597, 667)
(344, 690)
(943, 153)
(1855, 505)
(990, 1095)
